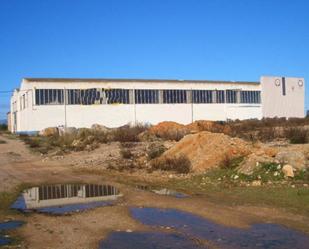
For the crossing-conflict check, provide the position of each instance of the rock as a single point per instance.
(129, 231)
(276, 173)
(48, 132)
(288, 171)
(236, 177)
(99, 127)
(256, 183)
(305, 185)
(296, 158)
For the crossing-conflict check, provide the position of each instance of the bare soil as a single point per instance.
(84, 230)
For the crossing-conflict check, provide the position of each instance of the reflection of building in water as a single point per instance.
(62, 194)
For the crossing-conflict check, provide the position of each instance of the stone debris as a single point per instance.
(256, 183)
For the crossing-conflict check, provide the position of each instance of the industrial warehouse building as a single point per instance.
(46, 102)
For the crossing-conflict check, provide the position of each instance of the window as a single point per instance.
(49, 97)
(174, 96)
(146, 96)
(250, 97)
(74, 97)
(202, 96)
(220, 96)
(231, 96)
(115, 96)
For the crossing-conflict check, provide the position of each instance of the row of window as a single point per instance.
(143, 96)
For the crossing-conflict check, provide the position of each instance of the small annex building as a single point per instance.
(50, 102)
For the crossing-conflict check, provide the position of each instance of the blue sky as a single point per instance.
(177, 39)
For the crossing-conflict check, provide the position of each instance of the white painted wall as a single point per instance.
(275, 104)
(36, 118)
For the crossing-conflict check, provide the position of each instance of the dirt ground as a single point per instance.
(85, 229)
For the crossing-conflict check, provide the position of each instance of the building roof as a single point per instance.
(88, 80)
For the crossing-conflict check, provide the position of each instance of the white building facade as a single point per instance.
(44, 102)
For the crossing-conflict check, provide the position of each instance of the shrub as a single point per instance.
(125, 153)
(155, 151)
(229, 162)
(128, 133)
(297, 135)
(180, 164)
(3, 127)
(2, 142)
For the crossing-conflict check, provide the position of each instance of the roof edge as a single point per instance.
(68, 80)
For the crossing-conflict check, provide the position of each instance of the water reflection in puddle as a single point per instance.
(5, 226)
(66, 198)
(258, 236)
(147, 240)
(163, 191)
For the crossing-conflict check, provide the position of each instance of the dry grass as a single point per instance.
(180, 164)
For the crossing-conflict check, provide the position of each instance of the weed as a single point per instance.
(126, 153)
(128, 133)
(230, 163)
(155, 151)
(179, 164)
(297, 135)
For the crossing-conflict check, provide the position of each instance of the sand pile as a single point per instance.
(175, 131)
(169, 130)
(204, 125)
(206, 150)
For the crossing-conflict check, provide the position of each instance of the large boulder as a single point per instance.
(48, 132)
(288, 171)
(295, 158)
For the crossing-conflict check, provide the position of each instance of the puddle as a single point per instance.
(147, 240)
(163, 191)
(65, 198)
(257, 236)
(5, 226)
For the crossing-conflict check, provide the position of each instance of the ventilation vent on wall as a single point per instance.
(277, 82)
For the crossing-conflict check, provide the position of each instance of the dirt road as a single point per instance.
(85, 229)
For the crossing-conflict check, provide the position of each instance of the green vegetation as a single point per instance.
(155, 151)
(83, 139)
(283, 196)
(3, 127)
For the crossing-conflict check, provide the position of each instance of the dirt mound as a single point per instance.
(169, 130)
(204, 125)
(176, 131)
(206, 150)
